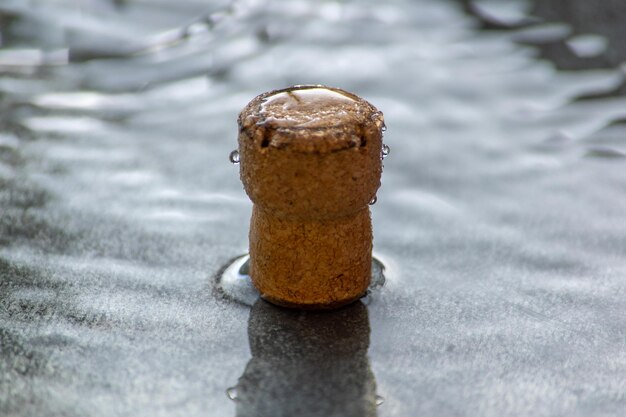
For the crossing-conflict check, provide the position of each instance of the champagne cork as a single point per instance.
(310, 161)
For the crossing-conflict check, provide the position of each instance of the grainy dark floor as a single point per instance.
(501, 219)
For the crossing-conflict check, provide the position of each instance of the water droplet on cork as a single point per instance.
(373, 201)
(234, 157)
(385, 151)
(307, 106)
(379, 400)
(231, 393)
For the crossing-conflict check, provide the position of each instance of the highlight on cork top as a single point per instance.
(297, 117)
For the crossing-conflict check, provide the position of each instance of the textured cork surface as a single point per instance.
(311, 162)
(317, 263)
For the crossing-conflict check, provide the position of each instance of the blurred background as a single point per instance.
(501, 220)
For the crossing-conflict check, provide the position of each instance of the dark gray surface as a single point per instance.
(502, 216)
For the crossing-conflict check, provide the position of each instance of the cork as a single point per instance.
(310, 161)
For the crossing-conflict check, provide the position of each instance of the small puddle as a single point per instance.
(235, 283)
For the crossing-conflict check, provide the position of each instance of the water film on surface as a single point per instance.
(502, 215)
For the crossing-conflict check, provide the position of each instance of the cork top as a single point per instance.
(309, 118)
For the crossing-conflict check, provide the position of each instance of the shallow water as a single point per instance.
(501, 220)
(235, 284)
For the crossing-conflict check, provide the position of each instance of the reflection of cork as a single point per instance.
(307, 364)
(310, 161)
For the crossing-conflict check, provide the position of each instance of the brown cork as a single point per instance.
(310, 161)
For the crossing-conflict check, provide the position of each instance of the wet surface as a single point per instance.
(233, 281)
(501, 220)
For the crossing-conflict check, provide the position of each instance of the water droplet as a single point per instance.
(234, 157)
(379, 400)
(231, 393)
(373, 200)
(307, 106)
(367, 298)
(385, 151)
(378, 276)
(384, 128)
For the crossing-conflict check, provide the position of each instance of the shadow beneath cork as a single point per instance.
(307, 364)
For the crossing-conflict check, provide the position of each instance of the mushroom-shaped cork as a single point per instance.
(310, 161)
